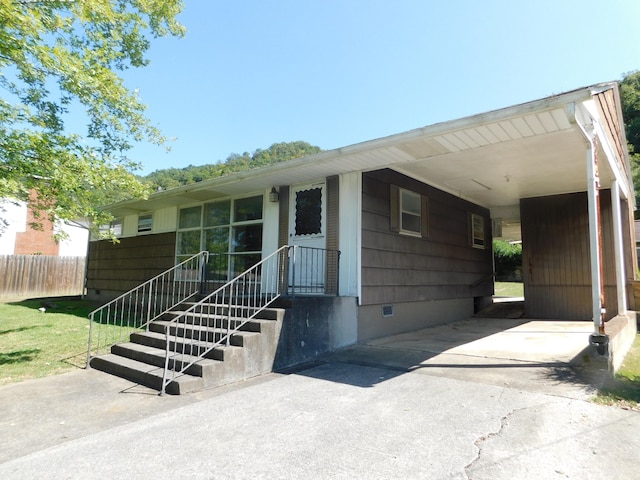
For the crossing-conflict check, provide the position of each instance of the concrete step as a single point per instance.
(145, 374)
(237, 311)
(189, 333)
(158, 340)
(156, 356)
(250, 351)
(218, 321)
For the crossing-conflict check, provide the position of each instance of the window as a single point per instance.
(409, 214)
(190, 217)
(114, 228)
(477, 231)
(145, 223)
(231, 230)
(308, 220)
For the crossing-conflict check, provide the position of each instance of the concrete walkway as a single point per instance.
(395, 408)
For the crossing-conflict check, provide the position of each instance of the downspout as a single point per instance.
(599, 337)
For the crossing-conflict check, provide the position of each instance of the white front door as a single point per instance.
(307, 232)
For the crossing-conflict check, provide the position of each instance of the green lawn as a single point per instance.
(34, 344)
(509, 289)
(624, 389)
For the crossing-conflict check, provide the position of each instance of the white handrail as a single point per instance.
(222, 313)
(141, 305)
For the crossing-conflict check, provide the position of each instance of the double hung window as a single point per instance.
(409, 212)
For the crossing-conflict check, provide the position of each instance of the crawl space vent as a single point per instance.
(387, 310)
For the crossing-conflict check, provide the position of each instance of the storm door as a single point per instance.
(308, 234)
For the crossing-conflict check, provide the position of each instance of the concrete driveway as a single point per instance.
(549, 356)
(447, 416)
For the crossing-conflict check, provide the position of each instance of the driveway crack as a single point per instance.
(482, 439)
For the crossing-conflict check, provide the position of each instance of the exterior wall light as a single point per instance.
(273, 195)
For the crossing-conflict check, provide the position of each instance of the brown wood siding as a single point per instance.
(606, 104)
(121, 266)
(333, 241)
(556, 256)
(400, 268)
(283, 222)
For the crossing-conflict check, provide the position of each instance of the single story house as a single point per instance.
(412, 216)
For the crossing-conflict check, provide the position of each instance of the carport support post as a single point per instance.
(595, 245)
(618, 249)
(598, 338)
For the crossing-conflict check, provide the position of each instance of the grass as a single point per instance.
(509, 289)
(34, 344)
(624, 389)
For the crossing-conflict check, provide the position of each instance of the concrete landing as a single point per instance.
(537, 355)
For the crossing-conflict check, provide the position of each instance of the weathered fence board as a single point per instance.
(29, 276)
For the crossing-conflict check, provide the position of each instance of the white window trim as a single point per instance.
(475, 234)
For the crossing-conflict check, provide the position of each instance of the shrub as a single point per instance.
(508, 260)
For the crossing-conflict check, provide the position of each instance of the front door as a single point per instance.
(307, 234)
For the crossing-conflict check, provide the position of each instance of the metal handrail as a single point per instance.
(313, 271)
(220, 314)
(138, 307)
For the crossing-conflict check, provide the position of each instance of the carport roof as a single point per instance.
(492, 159)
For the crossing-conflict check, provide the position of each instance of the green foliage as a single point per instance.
(507, 256)
(630, 99)
(278, 152)
(62, 57)
(624, 388)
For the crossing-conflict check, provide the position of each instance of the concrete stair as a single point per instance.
(250, 352)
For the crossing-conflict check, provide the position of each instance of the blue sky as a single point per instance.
(251, 73)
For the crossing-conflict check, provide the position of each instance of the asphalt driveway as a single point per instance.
(425, 410)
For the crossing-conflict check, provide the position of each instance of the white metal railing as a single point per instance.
(313, 271)
(211, 322)
(135, 309)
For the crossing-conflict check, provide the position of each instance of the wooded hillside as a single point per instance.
(278, 152)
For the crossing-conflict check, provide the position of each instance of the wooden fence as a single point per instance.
(33, 276)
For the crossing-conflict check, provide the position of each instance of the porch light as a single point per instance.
(273, 195)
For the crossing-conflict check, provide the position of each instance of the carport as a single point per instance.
(557, 167)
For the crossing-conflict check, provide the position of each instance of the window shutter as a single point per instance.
(425, 216)
(283, 223)
(394, 205)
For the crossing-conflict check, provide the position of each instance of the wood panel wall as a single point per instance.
(119, 267)
(400, 268)
(556, 256)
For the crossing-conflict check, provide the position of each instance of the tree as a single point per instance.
(60, 58)
(630, 99)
